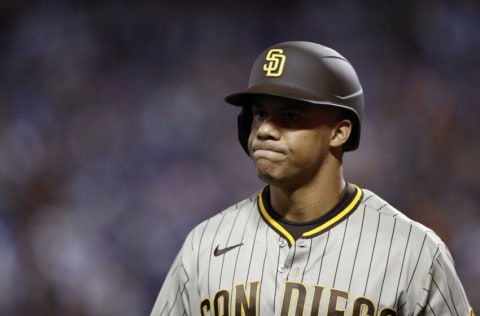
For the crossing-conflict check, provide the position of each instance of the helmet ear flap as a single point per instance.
(244, 126)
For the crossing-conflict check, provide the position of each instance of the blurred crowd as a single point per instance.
(115, 139)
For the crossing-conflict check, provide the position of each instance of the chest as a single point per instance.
(347, 268)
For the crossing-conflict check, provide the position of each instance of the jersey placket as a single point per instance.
(286, 256)
(291, 268)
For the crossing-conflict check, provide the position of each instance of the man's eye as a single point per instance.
(292, 116)
(260, 115)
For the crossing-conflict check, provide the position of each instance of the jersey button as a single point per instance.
(282, 242)
(281, 269)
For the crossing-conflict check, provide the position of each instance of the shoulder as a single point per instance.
(216, 230)
(372, 202)
(397, 220)
(224, 220)
(240, 208)
(427, 267)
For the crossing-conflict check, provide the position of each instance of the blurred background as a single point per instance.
(115, 139)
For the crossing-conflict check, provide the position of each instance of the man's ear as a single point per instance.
(341, 133)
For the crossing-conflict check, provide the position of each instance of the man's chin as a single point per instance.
(270, 178)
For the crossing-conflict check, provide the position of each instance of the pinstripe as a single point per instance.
(227, 242)
(308, 258)
(198, 250)
(420, 307)
(162, 311)
(388, 258)
(367, 198)
(253, 246)
(322, 257)
(290, 261)
(184, 287)
(403, 259)
(211, 249)
(431, 309)
(448, 287)
(356, 250)
(340, 253)
(264, 266)
(373, 251)
(442, 294)
(276, 272)
(452, 299)
(427, 290)
(416, 264)
(179, 290)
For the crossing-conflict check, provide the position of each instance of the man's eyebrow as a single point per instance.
(285, 106)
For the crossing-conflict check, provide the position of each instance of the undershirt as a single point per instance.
(296, 229)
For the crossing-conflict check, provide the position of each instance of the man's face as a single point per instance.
(288, 141)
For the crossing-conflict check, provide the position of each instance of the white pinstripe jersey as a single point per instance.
(368, 259)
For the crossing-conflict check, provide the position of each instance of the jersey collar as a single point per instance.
(337, 214)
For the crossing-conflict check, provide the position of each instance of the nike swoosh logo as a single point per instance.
(218, 252)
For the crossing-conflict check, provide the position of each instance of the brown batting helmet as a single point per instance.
(306, 72)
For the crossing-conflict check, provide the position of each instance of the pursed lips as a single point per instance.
(267, 148)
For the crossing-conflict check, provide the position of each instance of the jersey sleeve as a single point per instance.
(444, 293)
(175, 294)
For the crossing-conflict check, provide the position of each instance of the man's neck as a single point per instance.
(307, 202)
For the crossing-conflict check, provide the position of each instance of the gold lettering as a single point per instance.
(221, 303)
(335, 295)
(275, 62)
(246, 306)
(246, 302)
(317, 298)
(291, 289)
(363, 307)
(205, 307)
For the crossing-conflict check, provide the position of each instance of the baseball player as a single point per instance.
(309, 242)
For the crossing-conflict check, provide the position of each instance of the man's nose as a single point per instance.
(268, 129)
